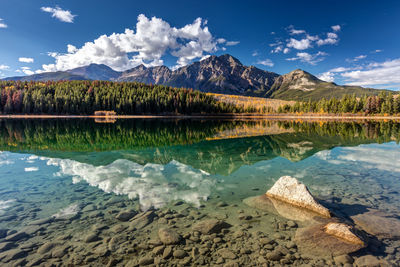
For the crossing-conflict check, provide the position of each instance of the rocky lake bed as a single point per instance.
(272, 201)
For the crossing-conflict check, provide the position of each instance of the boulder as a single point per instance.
(289, 190)
(344, 232)
(370, 261)
(210, 226)
(168, 236)
(314, 241)
(378, 223)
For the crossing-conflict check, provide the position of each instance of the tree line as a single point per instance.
(384, 103)
(85, 97)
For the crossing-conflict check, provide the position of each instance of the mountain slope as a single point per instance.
(301, 85)
(96, 72)
(216, 74)
(48, 76)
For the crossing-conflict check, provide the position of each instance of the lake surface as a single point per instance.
(81, 192)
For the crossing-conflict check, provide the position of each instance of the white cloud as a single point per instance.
(4, 67)
(332, 38)
(255, 53)
(221, 40)
(357, 58)
(336, 28)
(26, 59)
(327, 76)
(381, 73)
(2, 24)
(293, 31)
(299, 44)
(266, 62)
(232, 43)
(27, 70)
(277, 49)
(147, 45)
(286, 50)
(377, 51)
(309, 58)
(60, 14)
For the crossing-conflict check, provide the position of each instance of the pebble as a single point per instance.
(92, 237)
(126, 215)
(46, 247)
(179, 254)
(274, 255)
(167, 252)
(146, 261)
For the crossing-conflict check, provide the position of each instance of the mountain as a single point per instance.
(216, 74)
(96, 72)
(48, 76)
(301, 85)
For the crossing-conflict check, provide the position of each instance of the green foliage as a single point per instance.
(85, 97)
(384, 104)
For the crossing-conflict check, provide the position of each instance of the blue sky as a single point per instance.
(348, 42)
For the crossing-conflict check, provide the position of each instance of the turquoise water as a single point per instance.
(81, 174)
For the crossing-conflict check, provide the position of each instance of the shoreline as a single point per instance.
(203, 116)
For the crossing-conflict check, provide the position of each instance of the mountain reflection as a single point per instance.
(215, 146)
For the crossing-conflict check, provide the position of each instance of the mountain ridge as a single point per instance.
(223, 74)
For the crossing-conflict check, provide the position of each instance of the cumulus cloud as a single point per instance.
(2, 24)
(286, 50)
(267, 62)
(336, 28)
(60, 14)
(331, 38)
(327, 76)
(4, 67)
(27, 70)
(26, 59)
(147, 45)
(277, 49)
(299, 44)
(309, 58)
(380, 73)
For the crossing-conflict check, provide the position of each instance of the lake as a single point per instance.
(86, 192)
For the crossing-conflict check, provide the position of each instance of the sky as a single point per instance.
(346, 42)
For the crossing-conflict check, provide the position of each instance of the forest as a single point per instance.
(86, 97)
(383, 104)
(131, 98)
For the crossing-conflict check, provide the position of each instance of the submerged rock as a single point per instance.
(142, 219)
(168, 236)
(344, 232)
(281, 208)
(378, 224)
(288, 189)
(210, 226)
(315, 241)
(125, 215)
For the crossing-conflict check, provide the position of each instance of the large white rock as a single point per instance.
(289, 190)
(344, 232)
